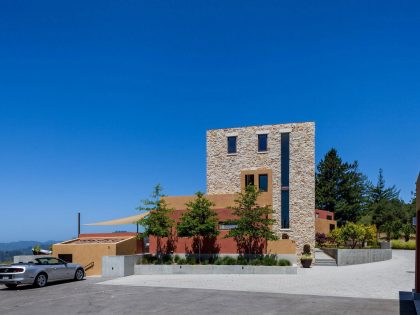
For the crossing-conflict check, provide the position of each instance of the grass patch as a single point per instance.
(398, 244)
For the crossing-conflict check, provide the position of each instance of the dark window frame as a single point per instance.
(247, 182)
(261, 137)
(230, 149)
(259, 182)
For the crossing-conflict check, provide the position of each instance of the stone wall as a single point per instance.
(223, 170)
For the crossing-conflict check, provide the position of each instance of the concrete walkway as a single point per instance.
(381, 280)
(322, 259)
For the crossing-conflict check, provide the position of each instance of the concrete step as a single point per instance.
(325, 262)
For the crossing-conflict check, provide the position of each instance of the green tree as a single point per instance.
(254, 222)
(340, 188)
(407, 229)
(385, 207)
(199, 222)
(159, 222)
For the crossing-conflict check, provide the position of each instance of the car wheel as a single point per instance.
(79, 274)
(41, 280)
(11, 286)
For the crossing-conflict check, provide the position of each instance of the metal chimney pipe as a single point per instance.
(78, 224)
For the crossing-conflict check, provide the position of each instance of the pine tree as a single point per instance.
(387, 210)
(340, 188)
(199, 222)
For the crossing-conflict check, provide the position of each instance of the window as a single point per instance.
(332, 227)
(66, 257)
(329, 217)
(231, 143)
(249, 180)
(285, 160)
(262, 143)
(223, 226)
(263, 182)
(48, 261)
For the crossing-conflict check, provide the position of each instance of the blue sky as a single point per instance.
(100, 100)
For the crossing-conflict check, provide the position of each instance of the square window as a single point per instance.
(263, 182)
(262, 143)
(231, 144)
(249, 180)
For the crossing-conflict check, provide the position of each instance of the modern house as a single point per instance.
(280, 161)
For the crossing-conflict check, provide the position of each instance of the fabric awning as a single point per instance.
(122, 221)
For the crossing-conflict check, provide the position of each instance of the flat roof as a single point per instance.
(99, 240)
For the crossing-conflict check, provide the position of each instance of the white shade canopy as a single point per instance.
(121, 221)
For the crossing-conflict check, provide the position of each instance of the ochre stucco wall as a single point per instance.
(84, 254)
(323, 225)
(281, 247)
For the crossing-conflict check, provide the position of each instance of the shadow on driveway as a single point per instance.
(31, 287)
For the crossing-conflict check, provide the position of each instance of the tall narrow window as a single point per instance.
(231, 144)
(285, 160)
(262, 142)
(263, 182)
(249, 180)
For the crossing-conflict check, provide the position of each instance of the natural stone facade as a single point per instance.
(224, 170)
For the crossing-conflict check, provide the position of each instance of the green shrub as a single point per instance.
(181, 261)
(284, 262)
(397, 244)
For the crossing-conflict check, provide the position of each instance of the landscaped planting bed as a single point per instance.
(191, 264)
(256, 260)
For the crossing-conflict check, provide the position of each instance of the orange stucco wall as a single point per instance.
(84, 254)
(281, 247)
(323, 225)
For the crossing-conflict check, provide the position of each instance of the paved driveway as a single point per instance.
(87, 297)
(381, 280)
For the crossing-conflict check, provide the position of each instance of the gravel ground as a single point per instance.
(381, 280)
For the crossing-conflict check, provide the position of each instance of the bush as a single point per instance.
(284, 262)
(320, 239)
(353, 235)
(307, 249)
(397, 244)
(260, 260)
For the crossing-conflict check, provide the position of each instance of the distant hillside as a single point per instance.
(25, 245)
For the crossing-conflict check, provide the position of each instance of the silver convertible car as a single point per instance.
(39, 272)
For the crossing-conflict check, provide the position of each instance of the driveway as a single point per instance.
(380, 280)
(87, 297)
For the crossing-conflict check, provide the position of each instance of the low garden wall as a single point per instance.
(212, 269)
(346, 257)
(119, 266)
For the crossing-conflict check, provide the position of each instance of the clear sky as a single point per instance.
(100, 100)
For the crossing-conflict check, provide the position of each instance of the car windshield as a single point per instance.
(48, 261)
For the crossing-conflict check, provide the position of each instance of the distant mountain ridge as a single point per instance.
(25, 245)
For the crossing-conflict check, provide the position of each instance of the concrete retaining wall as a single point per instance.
(27, 258)
(119, 266)
(358, 256)
(212, 269)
